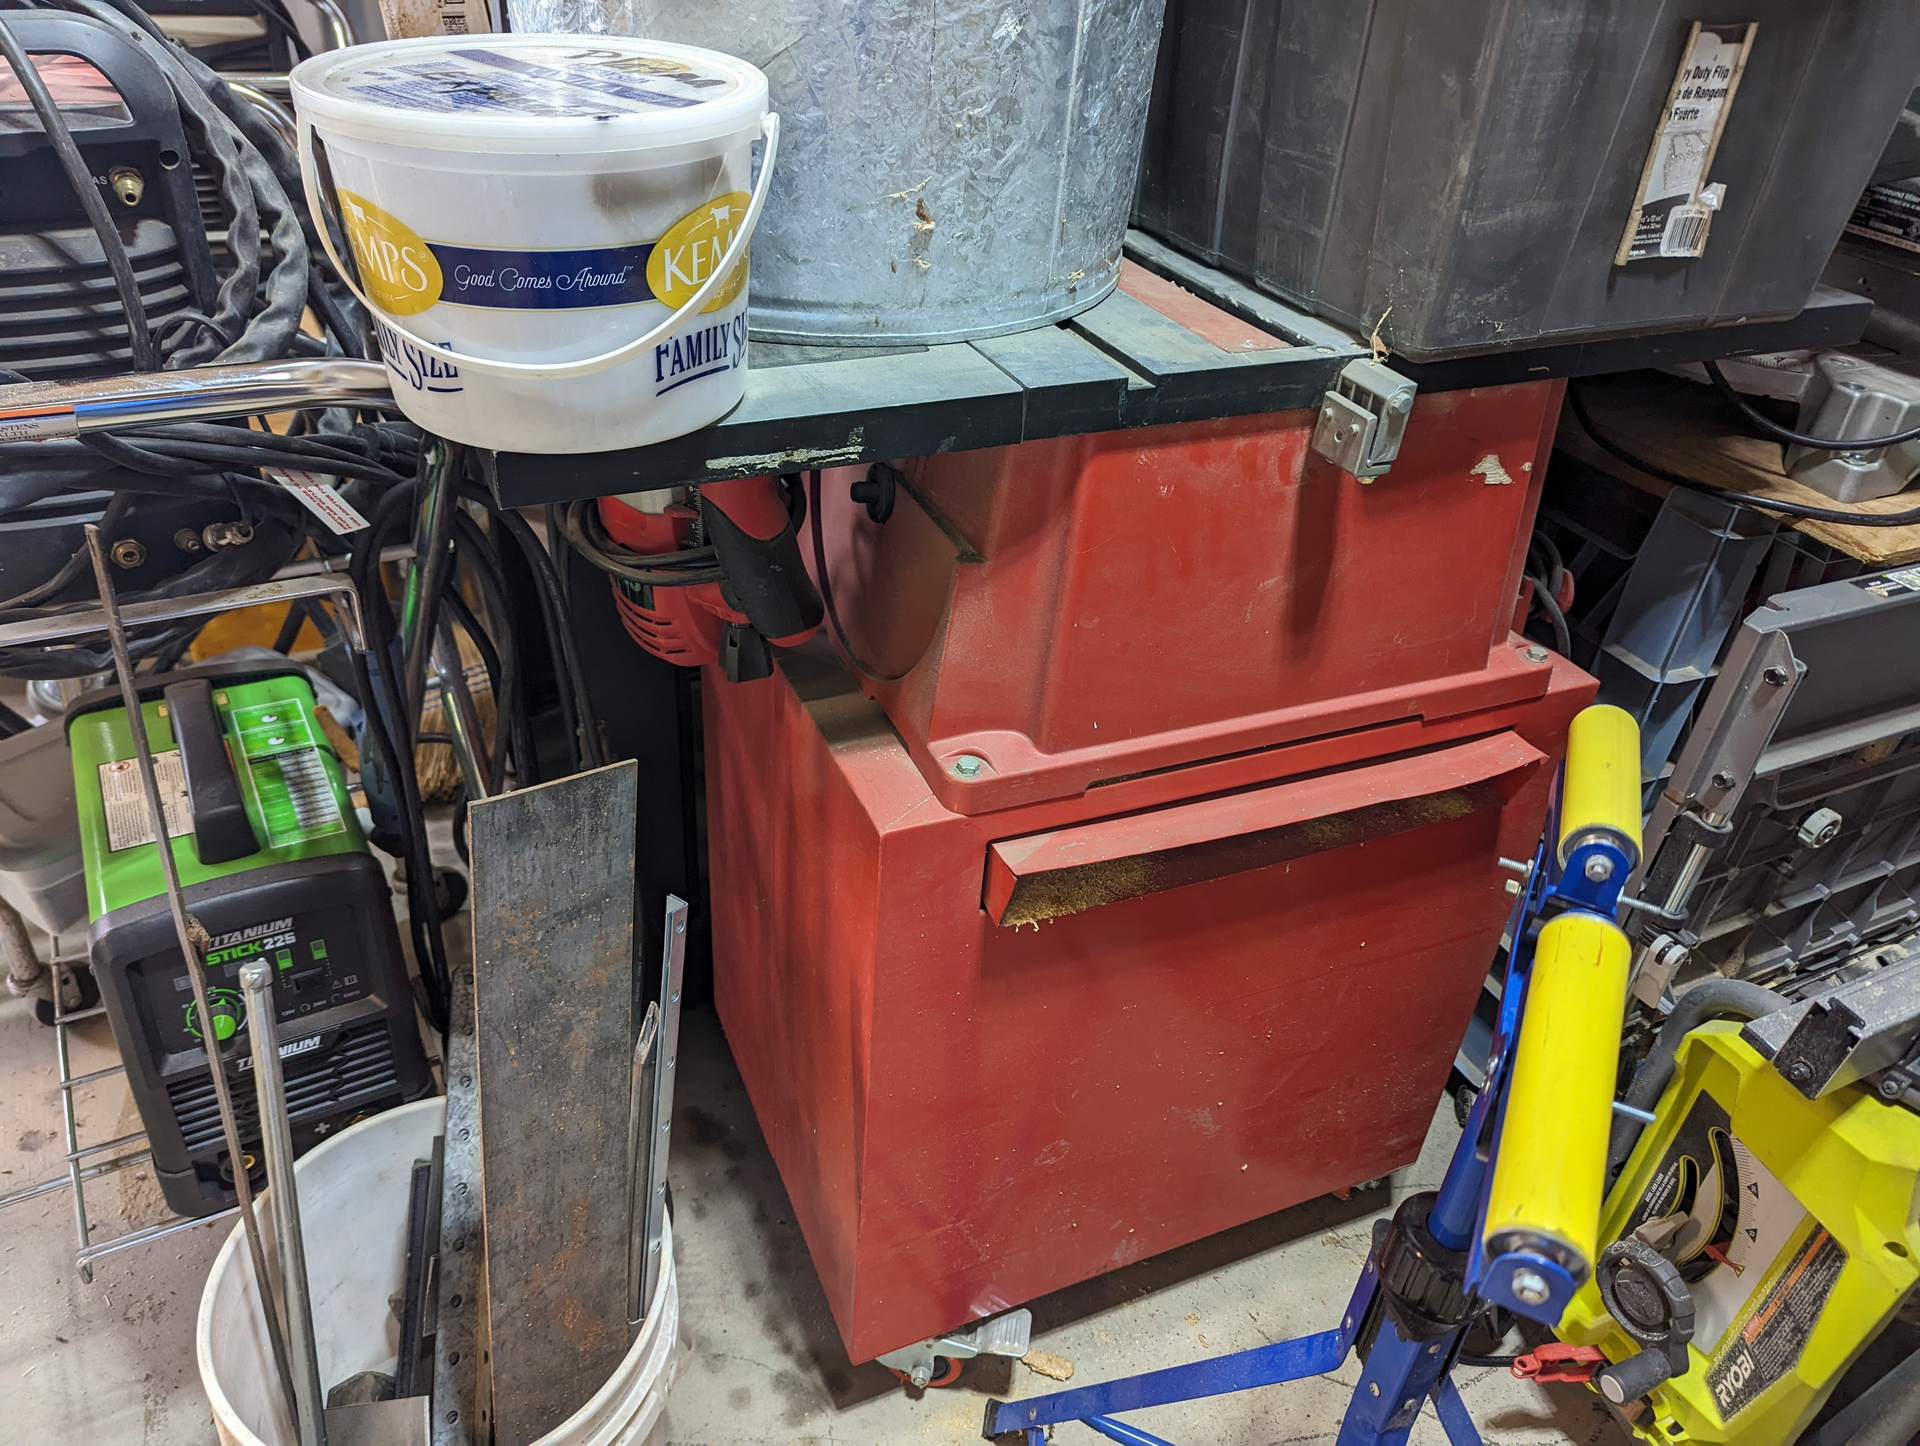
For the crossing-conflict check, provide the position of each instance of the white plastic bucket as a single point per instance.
(551, 233)
(353, 1209)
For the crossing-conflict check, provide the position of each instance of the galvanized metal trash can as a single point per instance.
(948, 170)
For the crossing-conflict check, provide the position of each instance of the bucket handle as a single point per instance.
(487, 366)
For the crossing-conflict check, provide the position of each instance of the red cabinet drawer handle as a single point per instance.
(1069, 870)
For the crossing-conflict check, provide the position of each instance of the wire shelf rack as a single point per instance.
(85, 1162)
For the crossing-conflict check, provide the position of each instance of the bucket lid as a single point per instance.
(529, 93)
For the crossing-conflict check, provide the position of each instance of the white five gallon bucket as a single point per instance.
(353, 1212)
(551, 233)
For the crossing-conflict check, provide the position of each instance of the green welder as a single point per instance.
(273, 865)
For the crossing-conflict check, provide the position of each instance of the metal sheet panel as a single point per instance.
(553, 991)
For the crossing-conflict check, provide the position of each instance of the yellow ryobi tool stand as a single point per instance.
(1791, 1222)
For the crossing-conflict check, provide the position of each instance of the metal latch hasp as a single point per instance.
(1363, 418)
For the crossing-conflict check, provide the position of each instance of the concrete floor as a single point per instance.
(768, 1365)
(112, 1362)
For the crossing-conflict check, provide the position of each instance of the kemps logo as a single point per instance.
(400, 272)
(683, 259)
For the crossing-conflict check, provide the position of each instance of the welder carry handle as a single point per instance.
(58, 626)
(1549, 1174)
(487, 366)
(222, 832)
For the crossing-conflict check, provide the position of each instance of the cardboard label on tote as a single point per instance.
(409, 19)
(1673, 207)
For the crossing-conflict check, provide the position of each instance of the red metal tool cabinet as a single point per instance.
(1155, 895)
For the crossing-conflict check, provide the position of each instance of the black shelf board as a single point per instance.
(1119, 364)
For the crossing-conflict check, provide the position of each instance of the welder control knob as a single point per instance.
(877, 492)
(228, 1011)
(1645, 1295)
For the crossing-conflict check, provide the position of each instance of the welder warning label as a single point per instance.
(126, 802)
(1768, 1341)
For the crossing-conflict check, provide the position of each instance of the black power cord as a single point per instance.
(1556, 619)
(1800, 439)
(513, 734)
(585, 532)
(576, 705)
(1577, 401)
(381, 704)
(1547, 572)
(146, 356)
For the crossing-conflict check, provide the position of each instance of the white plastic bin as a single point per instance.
(552, 235)
(353, 1207)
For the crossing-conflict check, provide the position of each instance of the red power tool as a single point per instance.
(752, 592)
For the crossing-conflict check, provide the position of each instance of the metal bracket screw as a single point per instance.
(968, 766)
(129, 552)
(1536, 654)
(1598, 869)
(1530, 1287)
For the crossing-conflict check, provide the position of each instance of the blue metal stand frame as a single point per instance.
(1399, 1375)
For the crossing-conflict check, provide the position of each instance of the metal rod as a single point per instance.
(24, 969)
(283, 1196)
(63, 1182)
(271, 82)
(639, 1112)
(30, 410)
(432, 538)
(463, 719)
(339, 27)
(80, 1152)
(333, 586)
(97, 1010)
(309, 566)
(191, 939)
(150, 1234)
(670, 975)
(73, 1147)
(92, 1075)
(278, 114)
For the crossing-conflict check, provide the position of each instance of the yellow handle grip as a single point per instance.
(1602, 787)
(1550, 1175)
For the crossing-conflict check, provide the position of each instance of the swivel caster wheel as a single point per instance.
(945, 1373)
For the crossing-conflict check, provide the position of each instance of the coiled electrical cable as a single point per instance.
(1779, 433)
(587, 535)
(1577, 401)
